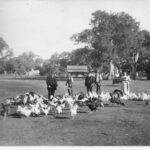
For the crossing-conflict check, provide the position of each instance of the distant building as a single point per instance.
(34, 72)
(77, 71)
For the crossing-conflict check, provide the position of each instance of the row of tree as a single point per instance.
(112, 37)
(117, 37)
(17, 65)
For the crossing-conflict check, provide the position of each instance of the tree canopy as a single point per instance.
(113, 36)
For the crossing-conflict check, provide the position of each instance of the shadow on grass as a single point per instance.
(14, 115)
(61, 117)
(66, 108)
(108, 105)
(141, 104)
(112, 85)
(82, 112)
(113, 105)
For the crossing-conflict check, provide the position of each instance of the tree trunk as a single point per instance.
(134, 65)
(111, 70)
(148, 75)
(134, 71)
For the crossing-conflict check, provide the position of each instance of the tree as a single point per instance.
(64, 60)
(144, 60)
(113, 36)
(27, 59)
(18, 66)
(10, 66)
(81, 56)
(5, 53)
(46, 67)
(23, 63)
(57, 63)
(3, 45)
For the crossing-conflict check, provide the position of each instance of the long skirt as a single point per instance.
(125, 87)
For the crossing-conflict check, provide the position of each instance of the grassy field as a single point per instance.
(113, 125)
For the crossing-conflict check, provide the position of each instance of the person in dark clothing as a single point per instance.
(51, 83)
(88, 83)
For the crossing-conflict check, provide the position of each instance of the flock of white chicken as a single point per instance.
(31, 104)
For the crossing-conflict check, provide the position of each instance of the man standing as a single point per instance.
(51, 83)
(88, 84)
(98, 82)
(69, 83)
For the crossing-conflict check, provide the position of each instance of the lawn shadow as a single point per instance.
(108, 105)
(112, 85)
(61, 117)
(51, 114)
(37, 116)
(82, 112)
(14, 115)
(141, 104)
(112, 105)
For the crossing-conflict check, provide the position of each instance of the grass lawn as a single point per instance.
(113, 125)
(10, 88)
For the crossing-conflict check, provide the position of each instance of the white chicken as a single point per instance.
(124, 97)
(69, 100)
(95, 95)
(45, 108)
(26, 111)
(91, 95)
(132, 96)
(73, 110)
(105, 97)
(144, 96)
(35, 108)
(59, 109)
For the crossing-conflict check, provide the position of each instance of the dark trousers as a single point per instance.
(89, 89)
(98, 88)
(70, 91)
(51, 91)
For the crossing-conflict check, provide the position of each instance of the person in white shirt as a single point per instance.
(69, 83)
(125, 86)
(98, 82)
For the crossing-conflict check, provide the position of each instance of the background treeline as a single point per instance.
(112, 37)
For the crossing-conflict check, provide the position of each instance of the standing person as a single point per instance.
(69, 83)
(93, 81)
(98, 82)
(125, 86)
(51, 83)
(88, 84)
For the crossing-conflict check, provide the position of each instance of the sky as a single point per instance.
(45, 26)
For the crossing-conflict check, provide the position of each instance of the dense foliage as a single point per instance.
(112, 37)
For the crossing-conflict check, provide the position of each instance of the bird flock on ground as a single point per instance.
(32, 104)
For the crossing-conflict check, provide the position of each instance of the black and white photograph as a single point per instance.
(74, 73)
